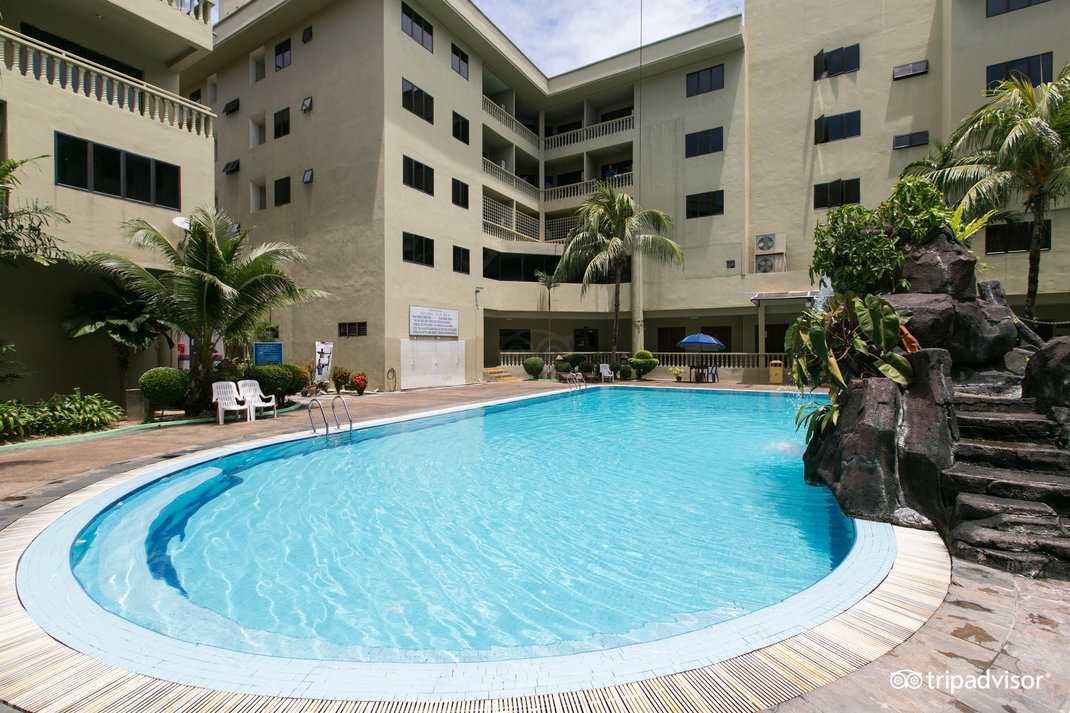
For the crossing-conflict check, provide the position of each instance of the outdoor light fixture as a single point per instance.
(307, 177)
(306, 105)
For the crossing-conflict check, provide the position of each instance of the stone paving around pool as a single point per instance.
(1016, 629)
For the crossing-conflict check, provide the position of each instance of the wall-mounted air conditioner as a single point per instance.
(769, 243)
(775, 262)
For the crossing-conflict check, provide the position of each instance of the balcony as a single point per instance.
(606, 128)
(38, 62)
(493, 169)
(511, 122)
(557, 229)
(197, 9)
(584, 189)
(504, 222)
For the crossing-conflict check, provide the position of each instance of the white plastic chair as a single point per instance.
(225, 396)
(607, 375)
(249, 389)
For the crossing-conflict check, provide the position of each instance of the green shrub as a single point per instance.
(643, 362)
(614, 367)
(625, 372)
(575, 359)
(229, 373)
(75, 413)
(587, 366)
(534, 366)
(16, 419)
(164, 387)
(562, 365)
(274, 380)
(298, 378)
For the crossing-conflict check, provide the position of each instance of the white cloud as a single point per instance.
(561, 35)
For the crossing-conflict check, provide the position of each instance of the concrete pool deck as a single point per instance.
(989, 618)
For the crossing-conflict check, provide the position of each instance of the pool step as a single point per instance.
(497, 373)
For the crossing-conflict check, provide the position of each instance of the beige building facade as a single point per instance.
(428, 168)
(91, 88)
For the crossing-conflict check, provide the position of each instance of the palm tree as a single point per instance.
(610, 229)
(23, 228)
(1016, 146)
(549, 281)
(214, 288)
(125, 317)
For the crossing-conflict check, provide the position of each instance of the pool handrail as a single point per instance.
(326, 425)
(337, 425)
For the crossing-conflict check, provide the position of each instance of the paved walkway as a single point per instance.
(1016, 629)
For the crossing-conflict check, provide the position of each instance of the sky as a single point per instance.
(561, 35)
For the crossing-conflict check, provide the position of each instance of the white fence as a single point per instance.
(499, 113)
(722, 360)
(584, 189)
(595, 131)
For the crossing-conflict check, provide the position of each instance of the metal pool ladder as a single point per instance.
(577, 380)
(326, 425)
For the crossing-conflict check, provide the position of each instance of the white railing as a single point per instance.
(613, 126)
(497, 212)
(37, 61)
(517, 358)
(557, 229)
(493, 169)
(584, 189)
(197, 9)
(503, 233)
(527, 225)
(499, 113)
(722, 360)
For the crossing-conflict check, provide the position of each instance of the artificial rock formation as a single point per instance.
(947, 314)
(883, 458)
(1047, 375)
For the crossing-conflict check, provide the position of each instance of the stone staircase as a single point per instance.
(497, 373)
(1008, 492)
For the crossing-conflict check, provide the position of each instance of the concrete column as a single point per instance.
(637, 305)
(761, 327)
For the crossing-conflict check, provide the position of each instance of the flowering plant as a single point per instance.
(360, 381)
(340, 376)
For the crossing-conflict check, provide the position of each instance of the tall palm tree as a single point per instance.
(127, 319)
(1015, 146)
(610, 229)
(215, 286)
(549, 281)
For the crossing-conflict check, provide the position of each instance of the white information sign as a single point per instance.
(433, 322)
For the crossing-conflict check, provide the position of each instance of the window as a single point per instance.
(232, 166)
(231, 107)
(705, 80)
(1036, 69)
(905, 141)
(838, 126)
(306, 105)
(585, 338)
(282, 191)
(306, 35)
(460, 194)
(514, 340)
(838, 61)
(418, 176)
(459, 61)
(257, 196)
(704, 142)
(1014, 237)
(460, 128)
(257, 66)
(110, 171)
(417, 28)
(998, 7)
(700, 205)
(417, 249)
(282, 122)
(352, 329)
(417, 101)
(910, 70)
(461, 259)
(306, 177)
(837, 193)
(282, 55)
(257, 132)
(195, 96)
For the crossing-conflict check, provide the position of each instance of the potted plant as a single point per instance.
(359, 382)
(677, 372)
(340, 376)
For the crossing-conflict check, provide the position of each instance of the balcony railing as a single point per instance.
(197, 9)
(512, 179)
(503, 221)
(585, 188)
(512, 122)
(722, 360)
(40, 62)
(613, 126)
(557, 229)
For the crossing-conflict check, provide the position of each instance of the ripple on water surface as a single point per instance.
(570, 524)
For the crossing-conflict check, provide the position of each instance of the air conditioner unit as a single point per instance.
(769, 263)
(769, 243)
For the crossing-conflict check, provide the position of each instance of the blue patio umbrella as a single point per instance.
(700, 343)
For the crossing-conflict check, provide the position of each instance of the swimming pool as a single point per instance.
(641, 515)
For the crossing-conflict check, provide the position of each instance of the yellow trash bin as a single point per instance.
(776, 371)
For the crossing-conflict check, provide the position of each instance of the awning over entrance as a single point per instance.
(796, 295)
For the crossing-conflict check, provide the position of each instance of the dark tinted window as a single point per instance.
(461, 259)
(418, 176)
(460, 193)
(138, 178)
(459, 61)
(460, 128)
(704, 142)
(1036, 69)
(107, 170)
(838, 61)
(910, 70)
(705, 80)
(418, 249)
(282, 122)
(282, 191)
(838, 126)
(418, 101)
(905, 141)
(837, 193)
(700, 205)
(416, 27)
(282, 55)
(168, 185)
(72, 161)
(1014, 237)
(998, 7)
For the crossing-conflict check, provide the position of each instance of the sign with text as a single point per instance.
(267, 353)
(433, 322)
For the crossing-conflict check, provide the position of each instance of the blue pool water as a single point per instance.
(557, 525)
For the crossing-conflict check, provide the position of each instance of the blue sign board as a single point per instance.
(267, 353)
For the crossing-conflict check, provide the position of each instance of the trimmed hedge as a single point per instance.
(298, 378)
(534, 366)
(643, 362)
(164, 387)
(274, 380)
(625, 372)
